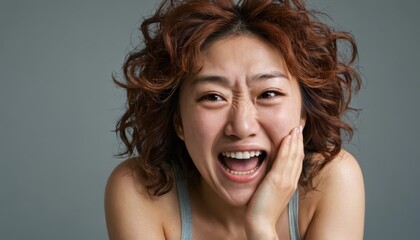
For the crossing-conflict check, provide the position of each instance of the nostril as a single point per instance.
(242, 128)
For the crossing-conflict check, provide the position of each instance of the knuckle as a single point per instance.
(301, 155)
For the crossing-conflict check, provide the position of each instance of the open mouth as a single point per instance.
(241, 163)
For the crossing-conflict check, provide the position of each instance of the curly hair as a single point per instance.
(173, 39)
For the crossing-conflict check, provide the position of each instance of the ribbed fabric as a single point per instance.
(293, 216)
(186, 222)
(184, 206)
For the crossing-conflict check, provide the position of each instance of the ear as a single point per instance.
(178, 126)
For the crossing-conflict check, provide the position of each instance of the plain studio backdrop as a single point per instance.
(58, 107)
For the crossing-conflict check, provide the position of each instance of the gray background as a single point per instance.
(58, 107)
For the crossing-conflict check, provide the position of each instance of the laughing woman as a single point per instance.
(233, 127)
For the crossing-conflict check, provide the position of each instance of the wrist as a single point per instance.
(259, 236)
(258, 230)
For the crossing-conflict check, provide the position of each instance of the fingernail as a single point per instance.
(301, 128)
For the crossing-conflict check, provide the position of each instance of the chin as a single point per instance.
(239, 198)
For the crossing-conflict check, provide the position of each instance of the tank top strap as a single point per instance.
(185, 209)
(293, 216)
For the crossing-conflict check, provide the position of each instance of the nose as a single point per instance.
(242, 120)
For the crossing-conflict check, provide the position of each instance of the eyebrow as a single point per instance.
(210, 79)
(272, 74)
(225, 81)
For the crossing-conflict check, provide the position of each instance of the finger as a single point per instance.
(294, 161)
(283, 155)
(293, 149)
(282, 168)
(284, 149)
(299, 154)
(294, 144)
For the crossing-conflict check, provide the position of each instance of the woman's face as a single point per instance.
(235, 113)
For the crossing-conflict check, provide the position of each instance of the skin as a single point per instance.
(242, 99)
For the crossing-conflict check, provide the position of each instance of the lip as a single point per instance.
(242, 179)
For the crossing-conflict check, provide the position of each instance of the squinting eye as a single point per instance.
(269, 94)
(212, 97)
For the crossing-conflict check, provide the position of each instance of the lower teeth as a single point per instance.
(240, 173)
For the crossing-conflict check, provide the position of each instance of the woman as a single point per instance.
(234, 127)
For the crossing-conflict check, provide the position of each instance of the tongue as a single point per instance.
(241, 165)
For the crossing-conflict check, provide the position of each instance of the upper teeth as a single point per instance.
(242, 155)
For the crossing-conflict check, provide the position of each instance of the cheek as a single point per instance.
(278, 126)
(200, 131)
(200, 123)
(278, 123)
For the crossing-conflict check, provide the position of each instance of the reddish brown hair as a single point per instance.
(173, 40)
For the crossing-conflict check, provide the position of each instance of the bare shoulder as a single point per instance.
(344, 170)
(339, 213)
(131, 213)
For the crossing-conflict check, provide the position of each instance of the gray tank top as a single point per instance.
(186, 221)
